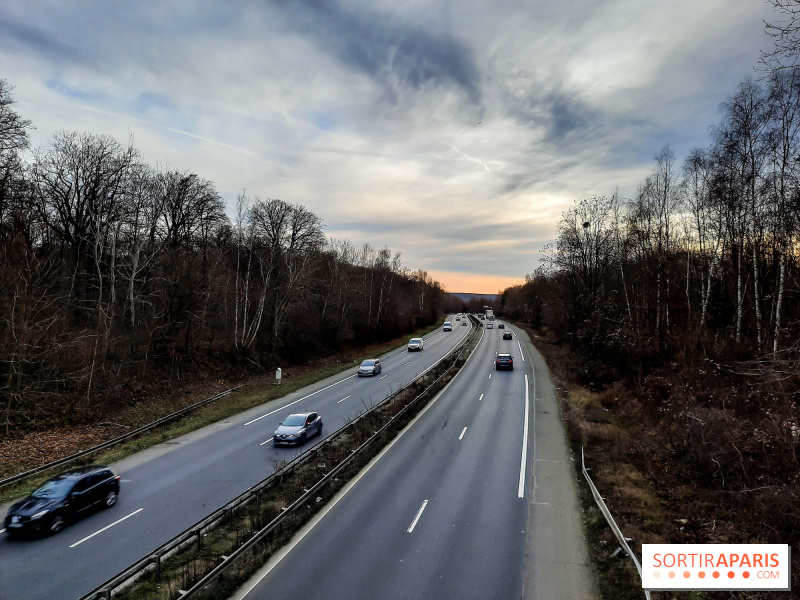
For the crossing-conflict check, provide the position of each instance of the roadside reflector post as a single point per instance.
(278, 375)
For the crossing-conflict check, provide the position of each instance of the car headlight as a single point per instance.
(40, 514)
(294, 435)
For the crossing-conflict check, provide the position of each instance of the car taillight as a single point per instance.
(116, 477)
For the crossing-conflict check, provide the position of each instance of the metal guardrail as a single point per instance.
(194, 533)
(623, 542)
(114, 441)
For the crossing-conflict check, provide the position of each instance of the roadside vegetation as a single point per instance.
(680, 310)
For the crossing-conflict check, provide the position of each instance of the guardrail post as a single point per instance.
(197, 533)
(156, 558)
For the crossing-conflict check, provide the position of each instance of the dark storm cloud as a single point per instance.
(385, 49)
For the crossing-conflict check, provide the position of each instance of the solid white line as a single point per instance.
(462, 434)
(88, 537)
(481, 398)
(343, 399)
(521, 491)
(419, 514)
(296, 401)
(520, 351)
(533, 371)
(384, 377)
(267, 442)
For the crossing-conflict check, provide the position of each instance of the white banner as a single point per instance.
(726, 567)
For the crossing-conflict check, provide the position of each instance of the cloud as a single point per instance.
(393, 53)
(455, 132)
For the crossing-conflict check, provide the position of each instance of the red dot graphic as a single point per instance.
(686, 574)
(746, 574)
(731, 574)
(715, 574)
(671, 574)
(701, 574)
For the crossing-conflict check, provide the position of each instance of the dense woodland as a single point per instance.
(688, 296)
(114, 272)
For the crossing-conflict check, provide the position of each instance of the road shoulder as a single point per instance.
(557, 563)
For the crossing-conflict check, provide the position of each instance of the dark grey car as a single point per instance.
(297, 428)
(62, 499)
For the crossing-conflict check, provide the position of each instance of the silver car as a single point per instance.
(297, 428)
(371, 366)
(415, 344)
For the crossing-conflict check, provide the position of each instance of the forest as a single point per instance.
(114, 273)
(683, 305)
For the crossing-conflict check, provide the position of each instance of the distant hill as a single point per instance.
(464, 297)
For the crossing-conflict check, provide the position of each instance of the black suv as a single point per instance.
(63, 498)
(504, 361)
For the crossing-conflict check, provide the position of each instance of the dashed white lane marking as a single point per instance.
(343, 399)
(481, 398)
(298, 400)
(490, 375)
(520, 351)
(88, 537)
(384, 377)
(2, 530)
(462, 434)
(267, 442)
(408, 363)
(419, 514)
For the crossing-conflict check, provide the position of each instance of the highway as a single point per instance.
(169, 487)
(452, 508)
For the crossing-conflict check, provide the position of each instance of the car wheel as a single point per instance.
(56, 524)
(111, 499)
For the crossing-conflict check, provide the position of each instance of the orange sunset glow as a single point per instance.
(456, 282)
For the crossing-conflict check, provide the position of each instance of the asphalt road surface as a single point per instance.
(475, 499)
(169, 487)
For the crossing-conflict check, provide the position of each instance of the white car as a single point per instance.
(489, 326)
(415, 344)
(448, 326)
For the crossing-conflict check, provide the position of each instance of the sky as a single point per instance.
(455, 132)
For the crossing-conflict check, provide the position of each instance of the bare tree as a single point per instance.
(785, 32)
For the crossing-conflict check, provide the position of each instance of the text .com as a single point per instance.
(729, 567)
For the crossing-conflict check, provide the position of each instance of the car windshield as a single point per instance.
(416, 341)
(295, 420)
(55, 488)
(368, 363)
